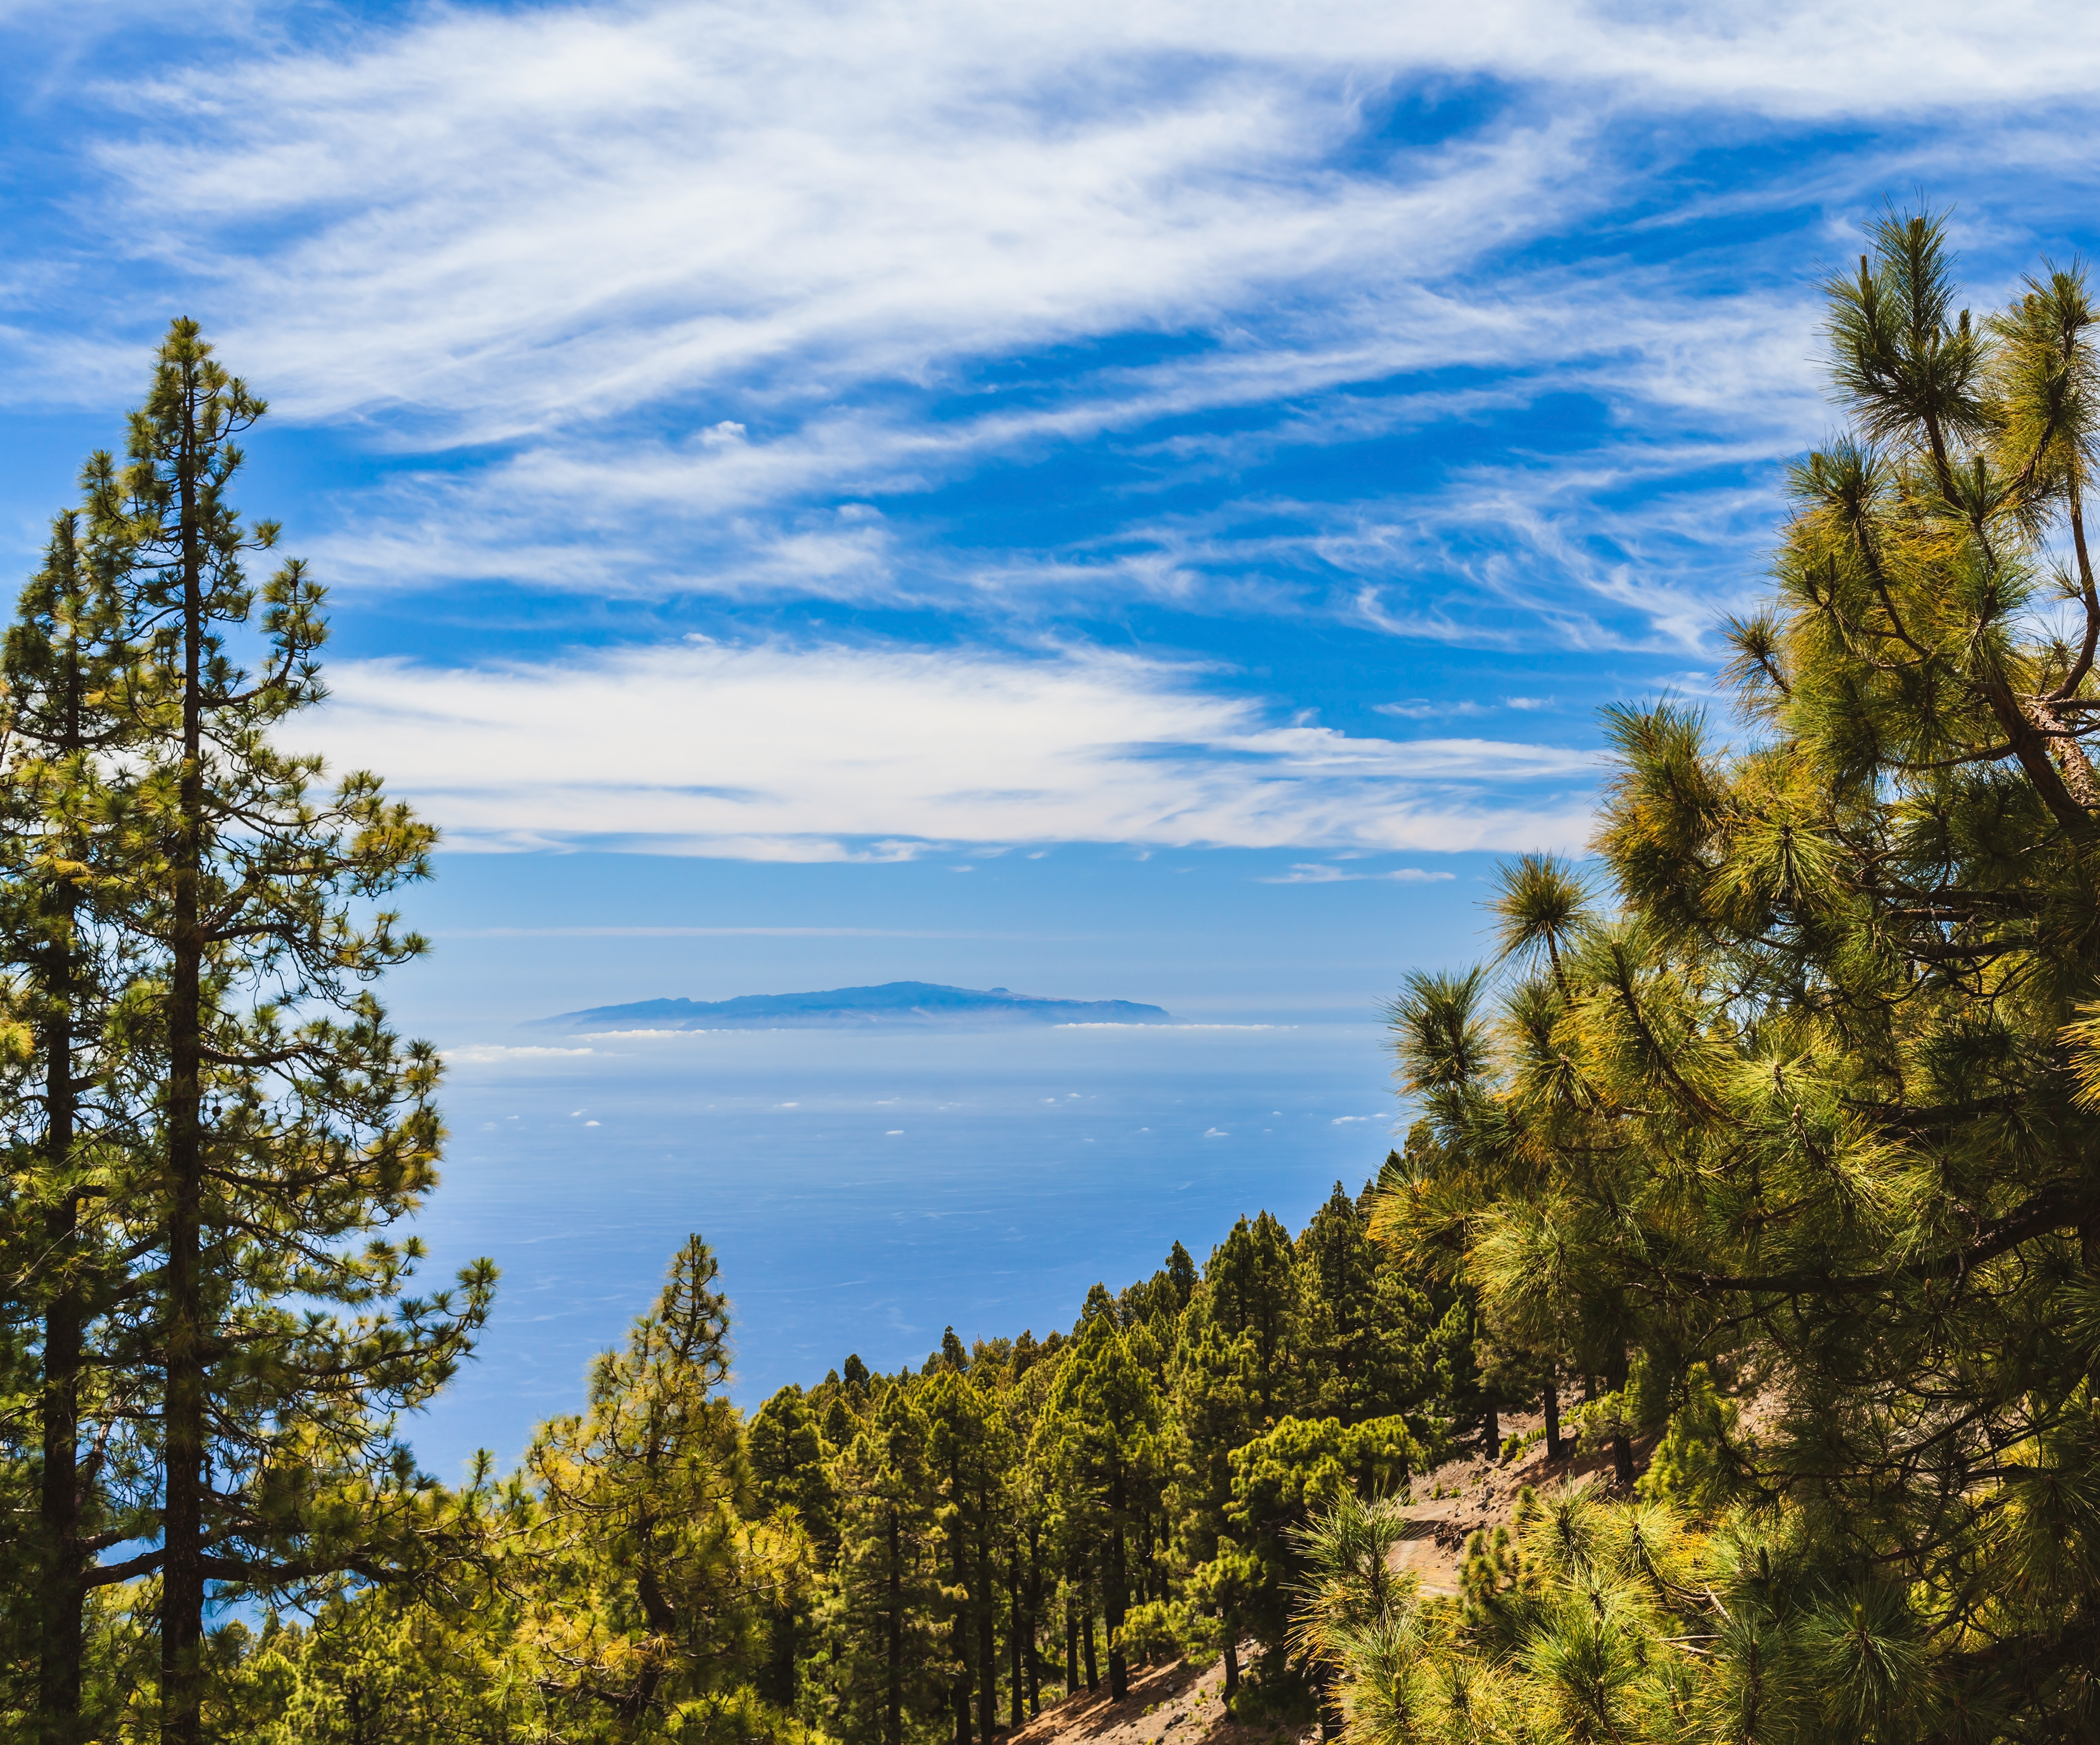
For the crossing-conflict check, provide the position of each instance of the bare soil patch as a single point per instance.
(1167, 1705)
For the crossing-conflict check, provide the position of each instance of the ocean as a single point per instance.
(862, 1189)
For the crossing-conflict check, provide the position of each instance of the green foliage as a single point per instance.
(1160, 1630)
(884, 1603)
(1807, 1094)
(652, 1582)
(1298, 1471)
(1641, 1405)
(1696, 1466)
(227, 1127)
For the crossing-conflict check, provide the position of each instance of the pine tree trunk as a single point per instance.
(62, 1591)
(893, 1714)
(1071, 1645)
(1118, 1588)
(1623, 1449)
(1491, 1430)
(959, 1636)
(1035, 1637)
(987, 1604)
(1232, 1660)
(1086, 1640)
(1016, 1614)
(182, 1426)
(1553, 1412)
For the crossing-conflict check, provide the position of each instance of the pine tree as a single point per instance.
(653, 1587)
(790, 1465)
(1814, 1103)
(1100, 1435)
(1365, 1331)
(285, 1120)
(1252, 1281)
(885, 1596)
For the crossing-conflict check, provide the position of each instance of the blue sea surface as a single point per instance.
(862, 1189)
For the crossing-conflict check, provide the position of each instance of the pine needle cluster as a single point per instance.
(1803, 1094)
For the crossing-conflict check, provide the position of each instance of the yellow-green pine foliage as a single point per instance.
(646, 1583)
(73, 1471)
(884, 1609)
(1785, 1127)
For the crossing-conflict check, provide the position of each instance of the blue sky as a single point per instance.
(1150, 442)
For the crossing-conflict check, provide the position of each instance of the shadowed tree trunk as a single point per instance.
(1622, 1448)
(987, 1609)
(65, 1589)
(959, 1645)
(1034, 1646)
(893, 1713)
(1017, 1615)
(1086, 1637)
(1117, 1590)
(1071, 1644)
(183, 1422)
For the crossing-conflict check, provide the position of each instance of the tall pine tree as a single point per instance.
(1816, 1104)
(287, 1125)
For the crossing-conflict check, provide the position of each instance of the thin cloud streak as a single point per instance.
(768, 752)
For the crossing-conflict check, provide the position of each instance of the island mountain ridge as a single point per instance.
(892, 1002)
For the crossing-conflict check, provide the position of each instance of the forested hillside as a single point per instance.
(1767, 1150)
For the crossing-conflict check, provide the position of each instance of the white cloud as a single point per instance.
(768, 752)
(489, 1053)
(646, 200)
(1427, 709)
(637, 513)
(695, 266)
(531, 217)
(1325, 873)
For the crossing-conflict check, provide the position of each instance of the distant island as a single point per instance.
(898, 1003)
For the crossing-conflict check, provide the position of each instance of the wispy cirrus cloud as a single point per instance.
(723, 512)
(771, 752)
(1418, 336)
(642, 199)
(599, 236)
(1326, 872)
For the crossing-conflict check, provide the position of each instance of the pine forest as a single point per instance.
(1749, 1195)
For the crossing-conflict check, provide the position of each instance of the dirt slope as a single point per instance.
(1476, 1495)
(1167, 1705)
